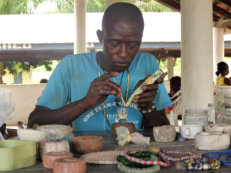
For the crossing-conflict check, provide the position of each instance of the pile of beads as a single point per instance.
(167, 155)
(202, 164)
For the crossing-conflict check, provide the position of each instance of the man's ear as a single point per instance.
(99, 35)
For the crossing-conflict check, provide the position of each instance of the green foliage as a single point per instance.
(14, 67)
(95, 6)
(163, 63)
(150, 6)
(65, 6)
(177, 67)
(18, 6)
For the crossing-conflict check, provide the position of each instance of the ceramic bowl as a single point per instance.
(31, 135)
(55, 131)
(87, 144)
(212, 141)
(190, 131)
(222, 128)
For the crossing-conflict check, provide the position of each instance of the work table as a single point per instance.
(110, 143)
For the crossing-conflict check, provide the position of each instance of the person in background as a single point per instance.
(43, 80)
(222, 72)
(175, 91)
(93, 82)
(175, 86)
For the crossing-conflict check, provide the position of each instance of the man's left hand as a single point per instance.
(145, 99)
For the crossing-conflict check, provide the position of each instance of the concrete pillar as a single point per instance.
(171, 63)
(80, 20)
(109, 2)
(196, 53)
(218, 48)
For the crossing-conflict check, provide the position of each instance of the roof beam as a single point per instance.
(30, 55)
(223, 23)
(226, 2)
(170, 4)
(221, 12)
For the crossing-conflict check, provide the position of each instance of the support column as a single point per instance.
(196, 53)
(80, 21)
(109, 2)
(171, 63)
(218, 48)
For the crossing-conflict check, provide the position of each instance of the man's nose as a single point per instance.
(123, 51)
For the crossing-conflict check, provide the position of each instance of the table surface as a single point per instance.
(110, 143)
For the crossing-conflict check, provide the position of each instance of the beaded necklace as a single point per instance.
(167, 155)
(226, 155)
(104, 111)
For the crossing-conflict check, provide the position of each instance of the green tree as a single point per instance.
(18, 6)
(149, 6)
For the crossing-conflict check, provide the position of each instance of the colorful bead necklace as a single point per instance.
(167, 155)
(145, 162)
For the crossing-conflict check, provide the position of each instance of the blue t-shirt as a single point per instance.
(72, 77)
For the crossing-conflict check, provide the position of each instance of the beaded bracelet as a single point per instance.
(145, 162)
(144, 111)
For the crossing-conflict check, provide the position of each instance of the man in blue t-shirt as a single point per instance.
(85, 90)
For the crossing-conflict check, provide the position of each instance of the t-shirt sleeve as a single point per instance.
(56, 93)
(162, 99)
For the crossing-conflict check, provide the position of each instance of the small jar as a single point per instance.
(227, 99)
(196, 116)
(227, 117)
(214, 110)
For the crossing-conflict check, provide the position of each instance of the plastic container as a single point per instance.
(15, 154)
(214, 110)
(227, 117)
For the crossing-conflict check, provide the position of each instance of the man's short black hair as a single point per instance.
(124, 12)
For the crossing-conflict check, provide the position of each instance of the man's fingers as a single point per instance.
(106, 76)
(107, 87)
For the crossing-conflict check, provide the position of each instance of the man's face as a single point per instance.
(121, 41)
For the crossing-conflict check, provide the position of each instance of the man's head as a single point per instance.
(121, 36)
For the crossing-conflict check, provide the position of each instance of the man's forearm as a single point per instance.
(155, 118)
(65, 115)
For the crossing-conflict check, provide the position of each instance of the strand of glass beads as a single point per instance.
(202, 164)
(167, 155)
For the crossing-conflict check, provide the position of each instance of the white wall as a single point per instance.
(25, 98)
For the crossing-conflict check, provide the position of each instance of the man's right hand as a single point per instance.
(101, 88)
